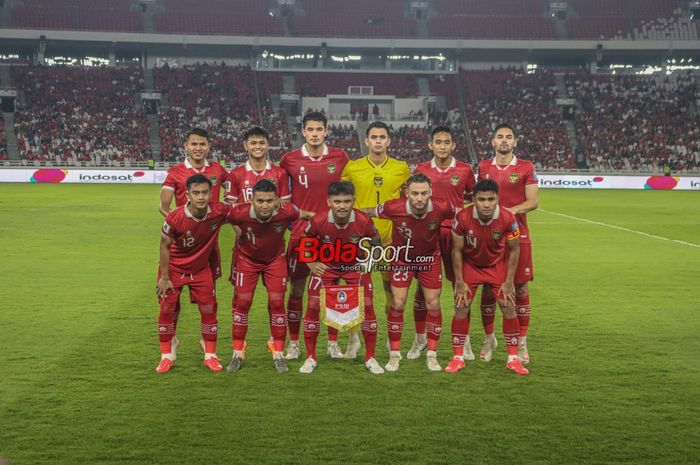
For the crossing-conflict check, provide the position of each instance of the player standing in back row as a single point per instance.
(452, 180)
(311, 168)
(377, 178)
(519, 194)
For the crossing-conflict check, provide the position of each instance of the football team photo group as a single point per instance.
(319, 224)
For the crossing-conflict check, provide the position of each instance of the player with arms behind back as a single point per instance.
(485, 250)
(311, 169)
(188, 236)
(519, 194)
(452, 180)
(377, 178)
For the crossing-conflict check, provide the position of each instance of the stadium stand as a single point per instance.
(220, 99)
(99, 15)
(74, 115)
(632, 122)
(526, 101)
(345, 137)
(3, 140)
(226, 17)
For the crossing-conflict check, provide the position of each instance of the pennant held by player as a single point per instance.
(342, 307)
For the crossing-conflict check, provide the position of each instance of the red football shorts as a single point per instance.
(295, 269)
(246, 272)
(524, 272)
(429, 275)
(201, 286)
(446, 252)
(334, 277)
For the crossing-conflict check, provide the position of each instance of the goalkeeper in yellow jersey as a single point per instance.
(377, 178)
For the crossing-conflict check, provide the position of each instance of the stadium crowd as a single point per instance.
(637, 122)
(78, 114)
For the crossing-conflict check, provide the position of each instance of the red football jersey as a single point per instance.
(323, 227)
(310, 177)
(193, 239)
(423, 232)
(451, 184)
(511, 180)
(176, 180)
(260, 241)
(485, 243)
(242, 179)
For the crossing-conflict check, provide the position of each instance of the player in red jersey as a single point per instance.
(197, 147)
(349, 226)
(189, 235)
(174, 185)
(485, 251)
(260, 251)
(519, 194)
(311, 168)
(416, 224)
(452, 180)
(242, 178)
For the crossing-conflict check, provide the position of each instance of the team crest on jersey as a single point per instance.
(278, 227)
(355, 238)
(213, 180)
(378, 181)
(496, 234)
(331, 168)
(513, 177)
(432, 225)
(214, 225)
(454, 180)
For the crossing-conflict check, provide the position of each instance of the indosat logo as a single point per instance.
(664, 183)
(56, 176)
(552, 181)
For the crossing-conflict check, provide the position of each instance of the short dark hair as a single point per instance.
(198, 179)
(438, 129)
(264, 185)
(503, 126)
(418, 178)
(341, 188)
(197, 132)
(485, 185)
(378, 124)
(314, 116)
(255, 131)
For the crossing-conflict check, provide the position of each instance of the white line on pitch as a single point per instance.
(621, 228)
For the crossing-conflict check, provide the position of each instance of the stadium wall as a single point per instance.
(546, 181)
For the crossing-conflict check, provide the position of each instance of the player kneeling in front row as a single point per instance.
(485, 251)
(260, 251)
(340, 227)
(188, 237)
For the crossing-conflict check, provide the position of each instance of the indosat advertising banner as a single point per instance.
(546, 181)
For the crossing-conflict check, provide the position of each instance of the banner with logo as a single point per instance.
(554, 181)
(342, 307)
(546, 181)
(81, 176)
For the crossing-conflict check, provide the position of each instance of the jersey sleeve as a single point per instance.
(379, 211)
(405, 171)
(168, 228)
(346, 175)
(513, 231)
(291, 212)
(471, 181)
(311, 229)
(283, 185)
(232, 187)
(169, 183)
(457, 228)
(531, 176)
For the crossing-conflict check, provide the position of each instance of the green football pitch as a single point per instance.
(614, 346)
